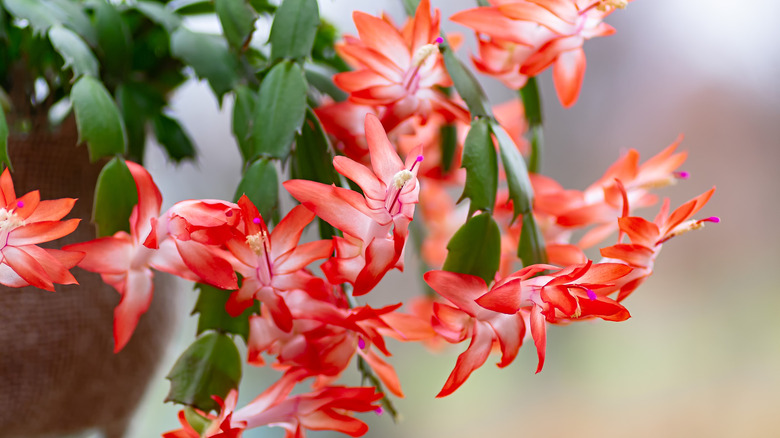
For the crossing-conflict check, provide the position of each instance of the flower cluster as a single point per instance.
(487, 289)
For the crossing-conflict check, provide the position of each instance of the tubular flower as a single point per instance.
(326, 335)
(24, 223)
(465, 319)
(326, 409)
(398, 70)
(528, 36)
(562, 211)
(375, 225)
(272, 263)
(647, 238)
(125, 263)
(575, 292)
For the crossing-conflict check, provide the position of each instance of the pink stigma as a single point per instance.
(256, 220)
(419, 158)
(713, 219)
(591, 295)
(439, 40)
(229, 213)
(682, 175)
(379, 411)
(361, 344)
(20, 204)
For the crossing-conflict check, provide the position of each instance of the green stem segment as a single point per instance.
(533, 115)
(365, 370)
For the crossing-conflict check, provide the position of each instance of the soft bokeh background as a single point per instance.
(701, 354)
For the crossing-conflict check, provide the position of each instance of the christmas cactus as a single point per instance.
(388, 144)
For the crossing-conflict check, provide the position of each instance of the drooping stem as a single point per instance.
(532, 104)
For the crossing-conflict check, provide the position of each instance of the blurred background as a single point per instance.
(701, 354)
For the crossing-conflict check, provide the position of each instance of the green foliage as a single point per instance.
(475, 249)
(138, 102)
(37, 12)
(238, 21)
(97, 118)
(465, 83)
(115, 197)
(210, 308)
(4, 140)
(280, 110)
(448, 135)
(209, 56)
(260, 184)
(531, 249)
(113, 38)
(532, 105)
(74, 51)
(520, 189)
(312, 160)
(294, 29)
(159, 14)
(243, 110)
(481, 163)
(210, 366)
(173, 139)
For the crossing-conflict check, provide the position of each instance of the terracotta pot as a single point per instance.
(58, 372)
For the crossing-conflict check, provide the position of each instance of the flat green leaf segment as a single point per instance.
(465, 83)
(113, 38)
(294, 29)
(173, 139)
(280, 110)
(210, 308)
(531, 249)
(243, 113)
(159, 14)
(238, 20)
(97, 118)
(4, 140)
(209, 56)
(481, 164)
(261, 185)
(115, 197)
(38, 13)
(74, 51)
(475, 249)
(520, 190)
(532, 103)
(210, 366)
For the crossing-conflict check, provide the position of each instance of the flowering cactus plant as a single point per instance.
(381, 136)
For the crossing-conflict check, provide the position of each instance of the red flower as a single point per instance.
(528, 36)
(375, 224)
(398, 69)
(24, 223)
(272, 263)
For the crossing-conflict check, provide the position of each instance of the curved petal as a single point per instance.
(27, 267)
(539, 333)
(384, 371)
(371, 185)
(568, 72)
(211, 268)
(287, 233)
(460, 289)
(106, 255)
(52, 210)
(379, 35)
(135, 302)
(149, 197)
(469, 360)
(40, 232)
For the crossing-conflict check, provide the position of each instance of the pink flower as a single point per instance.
(272, 263)
(24, 223)
(375, 225)
(399, 70)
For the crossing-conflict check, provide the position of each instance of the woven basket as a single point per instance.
(58, 372)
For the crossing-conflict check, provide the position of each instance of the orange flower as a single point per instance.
(24, 223)
(525, 37)
(398, 69)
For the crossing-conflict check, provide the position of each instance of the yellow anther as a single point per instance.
(423, 53)
(9, 220)
(256, 242)
(401, 178)
(616, 4)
